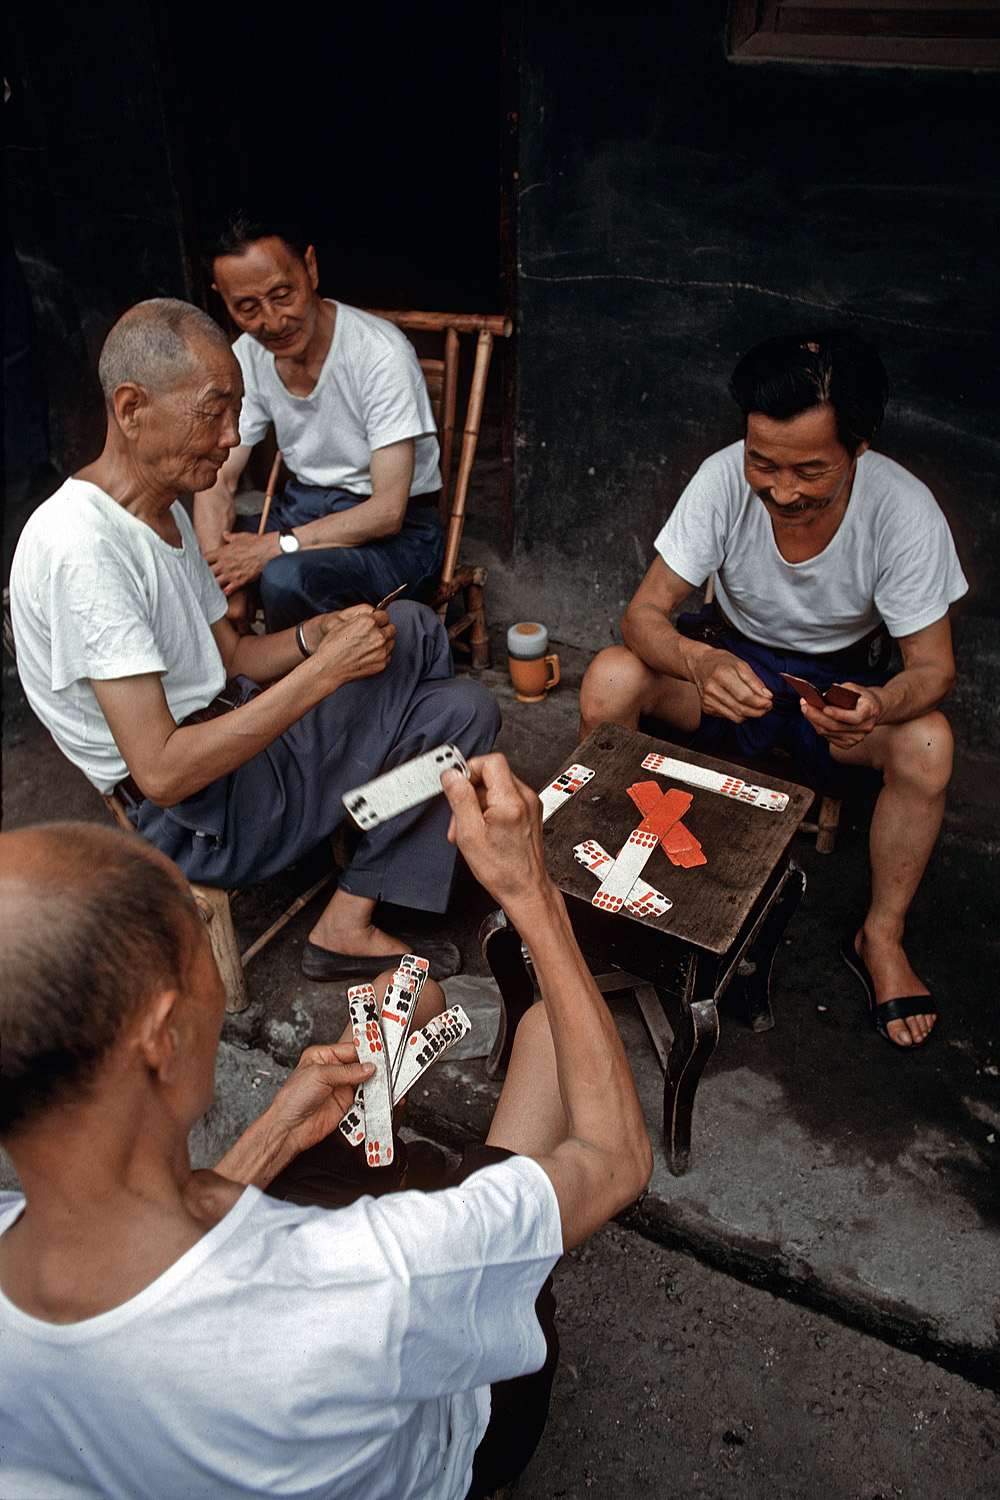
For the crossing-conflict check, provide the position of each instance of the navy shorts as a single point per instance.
(785, 727)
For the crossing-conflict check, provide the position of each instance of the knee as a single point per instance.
(612, 687)
(475, 714)
(921, 754)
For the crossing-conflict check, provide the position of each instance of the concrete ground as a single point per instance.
(813, 1309)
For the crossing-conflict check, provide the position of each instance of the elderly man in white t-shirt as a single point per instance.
(823, 552)
(165, 1332)
(354, 424)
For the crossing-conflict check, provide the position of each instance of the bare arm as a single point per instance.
(926, 680)
(215, 509)
(728, 687)
(240, 558)
(604, 1160)
(170, 762)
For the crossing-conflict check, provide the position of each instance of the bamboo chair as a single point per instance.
(442, 384)
(828, 819)
(214, 904)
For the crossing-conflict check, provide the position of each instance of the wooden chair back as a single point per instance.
(441, 375)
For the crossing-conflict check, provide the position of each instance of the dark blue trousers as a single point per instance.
(268, 813)
(298, 585)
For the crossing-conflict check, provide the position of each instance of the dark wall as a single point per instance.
(134, 123)
(674, 209)
(90, 194)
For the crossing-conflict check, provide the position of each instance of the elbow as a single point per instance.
(627, 622)
(634, 1170)
(391, 524)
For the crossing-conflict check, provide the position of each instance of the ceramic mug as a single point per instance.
(533, 669)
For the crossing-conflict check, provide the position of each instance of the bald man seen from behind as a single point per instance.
(127, 657)
(167, 1332)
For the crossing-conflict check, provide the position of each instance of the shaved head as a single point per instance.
(93, 923)
(150, 345)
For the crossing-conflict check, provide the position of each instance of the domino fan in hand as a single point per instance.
(714, 781)
(403, 787)
(835, 696)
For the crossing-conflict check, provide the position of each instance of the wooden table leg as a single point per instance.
(502, 950)
(694, 1042)
(756, 967)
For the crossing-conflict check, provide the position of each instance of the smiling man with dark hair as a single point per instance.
(823, 553)
(354, 423)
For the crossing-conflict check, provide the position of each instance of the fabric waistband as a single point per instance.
(869, 652)
(237, 691)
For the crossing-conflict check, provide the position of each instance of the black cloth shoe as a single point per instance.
(323, 964)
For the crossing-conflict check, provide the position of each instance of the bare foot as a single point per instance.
(894, 979)
(346, 927)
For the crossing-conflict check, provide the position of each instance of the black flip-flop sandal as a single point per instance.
(890, 1010)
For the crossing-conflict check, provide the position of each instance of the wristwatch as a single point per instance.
(287, 540)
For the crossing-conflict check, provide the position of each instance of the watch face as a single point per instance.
(288, 541)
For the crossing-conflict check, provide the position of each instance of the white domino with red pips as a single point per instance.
(564, 787)
(427, 1045)
(714, 781)
(619, 880)
(642, 900)
(377, 1089)
(352, 1126)
(399, 1001)
(403, 787)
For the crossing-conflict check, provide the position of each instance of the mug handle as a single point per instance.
(553, 664)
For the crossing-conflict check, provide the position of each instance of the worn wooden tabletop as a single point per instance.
(743, 844)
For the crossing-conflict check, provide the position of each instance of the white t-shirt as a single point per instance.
(892, 558)
(292, 1351)
(96, 593)
(371, 392)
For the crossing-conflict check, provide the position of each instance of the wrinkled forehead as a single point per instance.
(260, 265)
(213, 374)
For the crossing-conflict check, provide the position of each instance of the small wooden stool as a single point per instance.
(726, 922)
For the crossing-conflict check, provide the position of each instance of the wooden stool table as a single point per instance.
(726, 921)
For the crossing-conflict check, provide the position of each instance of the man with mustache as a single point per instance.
(354, 424)
(824, 553)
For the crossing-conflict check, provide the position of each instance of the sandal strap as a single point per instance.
(906, 1005)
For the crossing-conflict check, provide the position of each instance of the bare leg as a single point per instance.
(618, 687)
(915, 760)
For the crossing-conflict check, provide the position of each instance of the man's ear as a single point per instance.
(862, 448)
(158, 1037)
(130, 400)
(310, 259)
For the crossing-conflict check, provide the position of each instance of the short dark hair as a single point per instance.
(793, 373)
(241, 229)
(92, 924)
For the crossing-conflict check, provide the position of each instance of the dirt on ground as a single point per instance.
(676, 1382)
